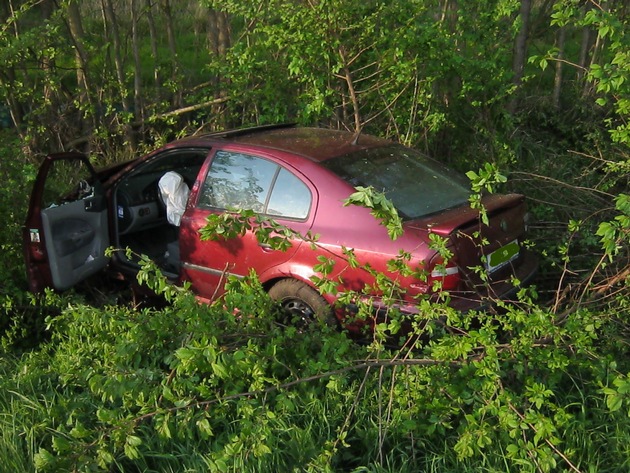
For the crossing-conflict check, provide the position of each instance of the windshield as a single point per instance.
(416, 185)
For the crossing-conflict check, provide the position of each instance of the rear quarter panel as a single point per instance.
(353, 228)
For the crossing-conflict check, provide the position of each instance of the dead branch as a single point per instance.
(160, 116)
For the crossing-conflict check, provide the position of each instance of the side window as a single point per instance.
(237, 181)
(68, 180)
(290, 197)
(241, 181)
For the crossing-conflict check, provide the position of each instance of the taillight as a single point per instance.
(444, 276)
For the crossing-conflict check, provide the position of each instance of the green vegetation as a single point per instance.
(92, 380)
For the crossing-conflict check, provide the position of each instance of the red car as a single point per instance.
(300, 177)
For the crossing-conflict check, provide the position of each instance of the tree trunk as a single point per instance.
(11, 12)
(448, 20)
(50, 110)
(218, 33)
(137, 70)
(595, 50)
(170, 33)
(585, 52)
(557, 83)
(114, 35)
(7, 74)
(154, 47)
(219, 41)
(520, 51)
(75, 27)
(449, 14)
(7, 77)
(356, 112)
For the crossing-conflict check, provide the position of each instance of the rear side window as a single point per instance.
(238, 181)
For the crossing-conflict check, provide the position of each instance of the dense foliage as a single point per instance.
(535, 91)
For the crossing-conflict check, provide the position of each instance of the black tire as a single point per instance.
(301, 304)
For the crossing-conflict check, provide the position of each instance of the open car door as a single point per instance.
(66, 230)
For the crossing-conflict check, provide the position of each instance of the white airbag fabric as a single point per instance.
(174, 193)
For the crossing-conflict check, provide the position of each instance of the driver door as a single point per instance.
(66, 229)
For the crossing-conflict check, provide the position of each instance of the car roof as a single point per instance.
(317, 144)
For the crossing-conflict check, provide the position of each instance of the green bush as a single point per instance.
(223, 387)
(18, 173)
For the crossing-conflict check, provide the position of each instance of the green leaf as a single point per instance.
(60, 444)
(543, 63)
(185, 354)
(131, 452)
(163, 426)
(614, 401)
(204, 428)
(220, 370)
(134, 440)
(105, 415)
(43, 458)
(79, 431)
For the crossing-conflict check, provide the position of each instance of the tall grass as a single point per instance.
(20, 419)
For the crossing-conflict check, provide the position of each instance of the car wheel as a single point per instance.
(301, 304)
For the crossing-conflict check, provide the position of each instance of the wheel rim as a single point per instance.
(298, 312)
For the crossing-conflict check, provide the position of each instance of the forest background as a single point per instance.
(536, 89)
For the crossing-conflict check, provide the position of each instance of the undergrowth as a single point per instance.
(224, 387)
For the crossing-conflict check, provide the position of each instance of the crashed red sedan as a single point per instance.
(300, 177)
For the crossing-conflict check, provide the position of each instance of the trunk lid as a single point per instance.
(495, 247)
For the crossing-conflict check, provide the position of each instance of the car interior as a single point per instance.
(142, 212)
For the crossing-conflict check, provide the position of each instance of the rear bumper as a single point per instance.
(484, 297)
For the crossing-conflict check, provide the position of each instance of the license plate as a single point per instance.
(502, 256)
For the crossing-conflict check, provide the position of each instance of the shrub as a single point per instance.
(224, 387)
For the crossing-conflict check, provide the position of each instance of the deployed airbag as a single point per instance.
(174, 192)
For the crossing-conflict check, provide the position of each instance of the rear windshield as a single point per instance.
(416, 185)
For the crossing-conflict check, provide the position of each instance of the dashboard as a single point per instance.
(138, 204)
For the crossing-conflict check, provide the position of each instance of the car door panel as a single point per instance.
(74, 242)
(237, 180)
(66, 228)
(207, 264)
